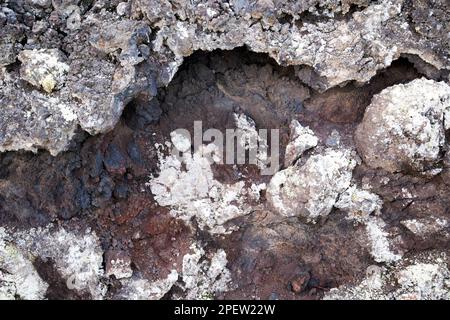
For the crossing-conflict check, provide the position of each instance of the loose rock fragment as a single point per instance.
(404, 127)
(44, 68)
(359, 203)
(310, 191)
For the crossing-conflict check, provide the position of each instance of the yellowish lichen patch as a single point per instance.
(48, 83)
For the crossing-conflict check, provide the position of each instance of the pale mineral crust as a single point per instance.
(311, 190)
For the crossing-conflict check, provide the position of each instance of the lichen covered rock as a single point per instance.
(77, 257)
(18, 277)
(117, 51)
(112, 213)
(194, 193)
(311, 190)
(44, 68)
(204, 278)
(421, 277)
(359, 204)
(404, 127)
(142, 289)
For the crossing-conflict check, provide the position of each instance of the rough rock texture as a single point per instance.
(204, 279)
(301, 139)
(194, 192)
(359, 203)
(18, 277)
(43, 68)
(404, 126)
(77, 257)
(357, 208)
(311, 190)
(115, 56)
(418, 278)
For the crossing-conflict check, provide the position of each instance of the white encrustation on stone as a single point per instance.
(142, 289)
(311, 191)
(422, 277)
(18, 276)
(381, 249)
(180, 141)
(359, 203)
(118, 264)
(425, 227)
(370, 288)
(404, 127)
(301, 139)
(204, 277)
(255, 190)
(424, 281)
(78, 257)
(187, 186)
(378, 33)
(250, 139)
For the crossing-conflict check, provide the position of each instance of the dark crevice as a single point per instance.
(58, 289)
(347, 104)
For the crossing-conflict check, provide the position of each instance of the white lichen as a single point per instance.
(421, 277)
(118, 264)
(78, 257)
(359, 204)
(370, 288)
(203, 276)
(18, 277)
(424, 281)
(425, 227)
(378, 237)
(143, 289)
(186, 184)
(250, 139)
(312, 189)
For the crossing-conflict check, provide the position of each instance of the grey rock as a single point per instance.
(44, 68)
(114, 58)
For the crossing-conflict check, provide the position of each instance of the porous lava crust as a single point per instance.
(93, 204)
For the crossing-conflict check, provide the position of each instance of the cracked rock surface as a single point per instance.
(95, 204)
